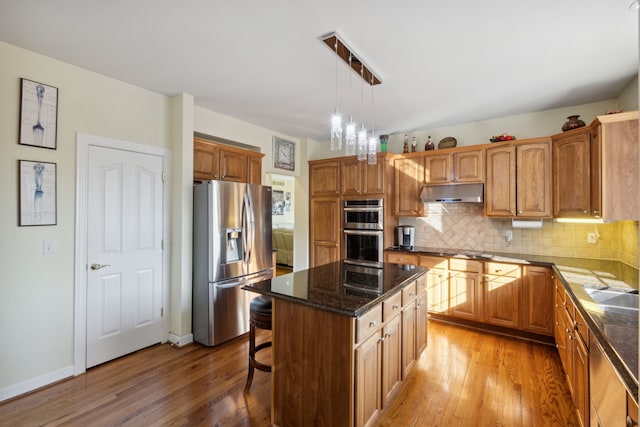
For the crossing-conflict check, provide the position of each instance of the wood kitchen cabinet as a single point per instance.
(501, 294)
(324, 178)
(456, 166)
(437, 283)
(324, 231)
(368, 360)
(572, 179)
(518, 179)
(465, 291)
(392, 334)
(360, 178)
(437, 168)
(537, 300)
(408, 178)
(409, 327)
(572, 342)
(212, 160)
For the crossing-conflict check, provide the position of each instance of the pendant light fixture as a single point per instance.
(336, 118)
(356, 142)
(372, 156)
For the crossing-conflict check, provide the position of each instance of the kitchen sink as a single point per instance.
(614, 300)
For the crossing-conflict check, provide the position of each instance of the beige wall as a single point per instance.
(37, 291)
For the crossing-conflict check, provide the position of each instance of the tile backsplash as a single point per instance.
(463, 226)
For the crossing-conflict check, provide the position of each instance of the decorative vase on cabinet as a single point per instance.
(573, 122)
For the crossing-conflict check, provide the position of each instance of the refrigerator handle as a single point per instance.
(248, 227)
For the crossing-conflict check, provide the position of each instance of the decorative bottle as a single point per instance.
(405, 147)
(429, 145)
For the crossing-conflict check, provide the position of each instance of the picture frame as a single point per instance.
(38, 114)
(37, 195)
(284, 154)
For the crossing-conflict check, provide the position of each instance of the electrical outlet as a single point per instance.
(48, 247)
(592, 238)
(508, 235)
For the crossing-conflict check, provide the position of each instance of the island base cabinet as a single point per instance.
(368, 380)
(312, 375)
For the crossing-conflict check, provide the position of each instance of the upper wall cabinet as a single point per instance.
(225, 163)
(409, 175)
(461, 165)
(360, 178)
(595, 169)
(518, 181)
(324, 178)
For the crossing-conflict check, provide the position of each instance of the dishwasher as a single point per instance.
(608, 394)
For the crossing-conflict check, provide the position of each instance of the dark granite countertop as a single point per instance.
(339, 287)
(615, 330)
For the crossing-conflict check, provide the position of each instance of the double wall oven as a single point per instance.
(362, 225)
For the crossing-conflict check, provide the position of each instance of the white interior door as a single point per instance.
(124, 253)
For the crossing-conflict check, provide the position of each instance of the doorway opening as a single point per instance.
(282, 218)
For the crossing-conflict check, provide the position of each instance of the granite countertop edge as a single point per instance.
(631, 383)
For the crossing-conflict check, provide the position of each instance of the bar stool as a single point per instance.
(259, 317)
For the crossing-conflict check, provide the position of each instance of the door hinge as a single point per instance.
(164, 176)
(161, 311)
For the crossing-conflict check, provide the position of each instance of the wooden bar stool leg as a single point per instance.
(252, 355)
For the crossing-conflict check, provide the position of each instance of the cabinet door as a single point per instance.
(351, 176)
(367, 382)
(571, 175)
(373, 176)
(438, 291)
(596, 175)
(500, 187)
(468, 166)
(421, 323)
(437, 168)
(324, 178)
(465, 297)
(233, 166)
(409, 173)
(581, 379)
(324, 230)
(205, 161)
(537, 300)
(409, 344)
(533, 180)
(501, 300)
(255, 170)
(391, 358)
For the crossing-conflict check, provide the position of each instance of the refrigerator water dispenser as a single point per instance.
(232, 238)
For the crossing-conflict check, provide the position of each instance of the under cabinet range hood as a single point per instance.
(448, 193)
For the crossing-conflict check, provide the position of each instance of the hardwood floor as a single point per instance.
(464, 378)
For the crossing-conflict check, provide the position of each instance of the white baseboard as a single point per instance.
(35, 383)
(180, 341)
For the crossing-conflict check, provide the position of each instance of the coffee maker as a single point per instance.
(406, 235)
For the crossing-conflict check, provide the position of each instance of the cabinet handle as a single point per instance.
(411, 294)
(381, 339)
(585, 211)
(596, 212)
(498, 270)
(519, 212)
(387, 335)
(395, 306)
(372, 324)
(631, 422)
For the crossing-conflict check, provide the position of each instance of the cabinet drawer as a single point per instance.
(401, 258)
(434, 262)
(421, 284)
(465, 265)
(391, 306)
(408, 293)
(368, 323)
(501, 269)
(581, 327)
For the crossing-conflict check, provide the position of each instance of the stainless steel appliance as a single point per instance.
(363, 237)
(406, 235)
(231, 248)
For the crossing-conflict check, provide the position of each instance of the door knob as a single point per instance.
(95, 266)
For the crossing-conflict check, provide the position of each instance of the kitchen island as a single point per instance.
(344, 338)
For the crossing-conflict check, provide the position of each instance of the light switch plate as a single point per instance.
(592, 238)
(48, 247)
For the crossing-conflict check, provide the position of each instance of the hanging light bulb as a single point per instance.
(372, 156)
(363, 141)
(336, 131)
(350, 138)
(336, 118)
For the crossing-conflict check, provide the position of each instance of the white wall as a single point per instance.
(530, 125)
(36, 291)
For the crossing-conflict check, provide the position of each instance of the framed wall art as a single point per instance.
(38, 114)
(37, 193)
(284, 154)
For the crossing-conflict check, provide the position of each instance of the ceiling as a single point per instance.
(441, 63)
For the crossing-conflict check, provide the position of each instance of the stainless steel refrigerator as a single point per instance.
(231, 247)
